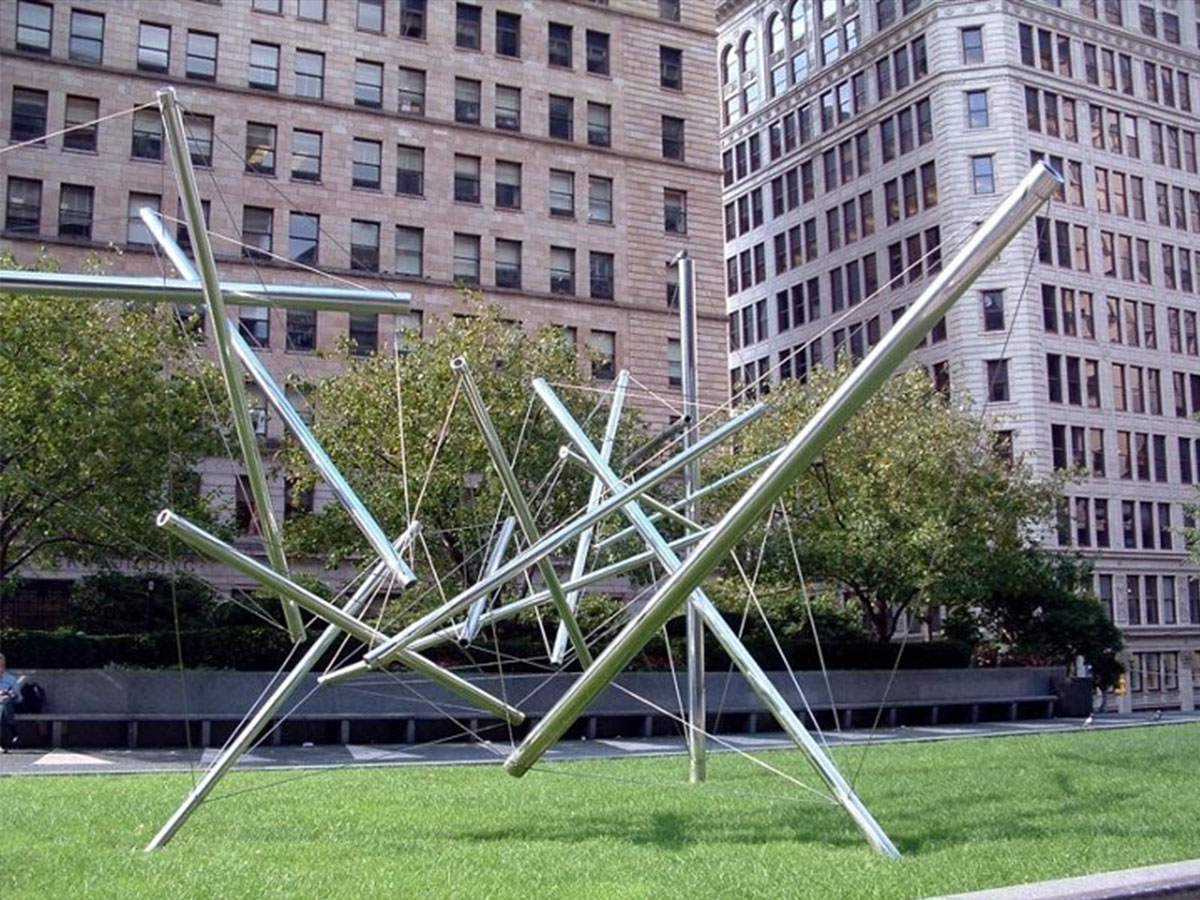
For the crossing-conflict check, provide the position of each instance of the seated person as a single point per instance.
(10, 696)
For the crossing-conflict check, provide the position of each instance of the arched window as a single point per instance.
(799, 19)
(728, 66)
(775, 35)
(749, 53)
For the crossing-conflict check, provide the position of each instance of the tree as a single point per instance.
(904, 504)
(103, 414)
(357, 419)
(1037, 607)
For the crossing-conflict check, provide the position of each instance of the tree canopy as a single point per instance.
(103, 416)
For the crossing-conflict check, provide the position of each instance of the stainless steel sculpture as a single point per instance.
(610, 493)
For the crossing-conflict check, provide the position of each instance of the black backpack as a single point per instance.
(33, 699)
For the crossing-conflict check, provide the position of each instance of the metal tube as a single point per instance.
(556, 539)
(559, 651)
(709, 488)
(220, 551)
(185, 178)
(516, 498)
(663, 510)
(471, 629)
(72, 286)
(153, 222)
(320, 459)
(688, 353)
(249, 732)
(656, 443)
(705, 613)
(859, 386)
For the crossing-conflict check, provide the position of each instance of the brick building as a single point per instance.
(861, 137)
(555, 154)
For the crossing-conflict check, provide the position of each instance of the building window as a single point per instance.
(508, 263)
(199, 131)
(201, 60)
(34, 21)
(508, 185)
(87, 37)
(562, 118)
(600, 200)
(972, 45)
(258, 226)
(468, 26)
(264, 66)
(304, 231)
(562, 193)
(467, 94)
(267, 6)
(559, 41)
(466, 178)
(983, 179)
(154, 47)
(81, 114)
(368, 84)
(136, 231)
(75, 202)
(670, 68)
(466, 258)
(310, 74)
(672, 137)
(364, 246)
(602, 269)
(260, 148)
(301, 333)
(977, 109)
(508, 34)
(603, 347)
(369, 15)
(669, 10)
(254, 323)
(23, 211)
(306, 155)
(674, 362)
(410, 170)
(597, 52)
(364, 333)
(410, 251)
(997, 377)
(562, 270)
(412, 91)
(674, 211)
(147, 134)
(367, 166)
(28, 114)
(314, 10)
(508, 108)
(412, 19)
(599, 124)
(993, 310)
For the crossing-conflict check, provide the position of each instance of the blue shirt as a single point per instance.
(9, 683)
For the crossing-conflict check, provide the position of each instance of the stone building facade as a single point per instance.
(556, 154)
(864, 139)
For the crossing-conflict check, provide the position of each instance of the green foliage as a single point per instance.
(357, 420)
(1037, 607)
(248, 648)
(113, 603)
(903, 505)
(967, 815)
(103, 414)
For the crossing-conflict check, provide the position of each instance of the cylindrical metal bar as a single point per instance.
(559, 651)
(556, 539)
(244, 739)
(689, 372)
(859, 386)
(709, 488)
(357, 511)
(471, 629)
(204, 542)
(663, 510)
(193, 213)
(150, 218)
(655, 444)
(72, 286)
(516, 498)
(702, 608)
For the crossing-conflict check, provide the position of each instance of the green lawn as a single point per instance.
(966, 814)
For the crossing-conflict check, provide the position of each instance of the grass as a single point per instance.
(966, 814)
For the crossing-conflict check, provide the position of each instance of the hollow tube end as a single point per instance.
(163, 519)
(458, 363)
